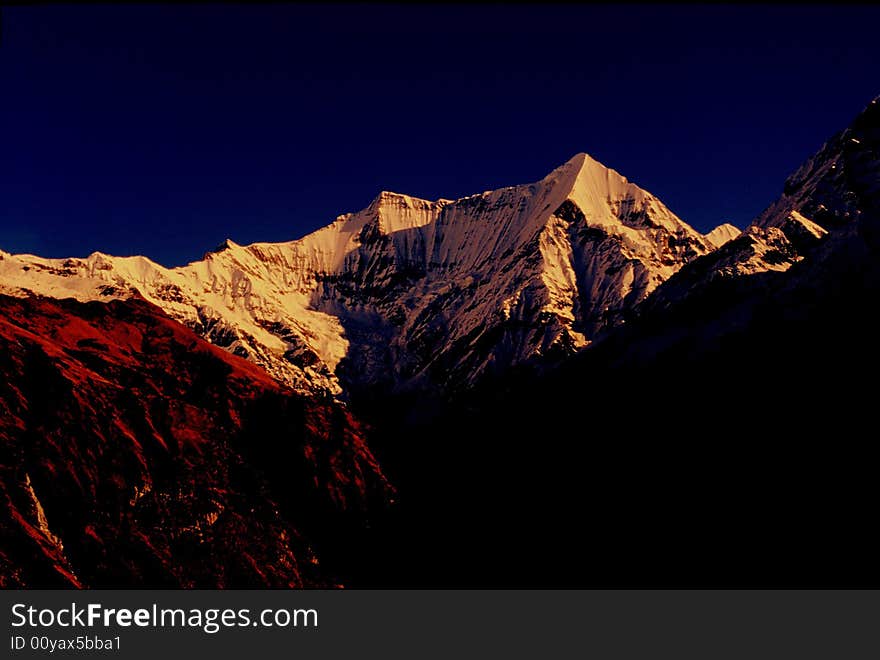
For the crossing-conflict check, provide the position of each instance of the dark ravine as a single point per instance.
(136, 454)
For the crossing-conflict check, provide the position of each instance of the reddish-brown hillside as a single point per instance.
(134, 453)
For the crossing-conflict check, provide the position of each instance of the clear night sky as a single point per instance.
(162, 130)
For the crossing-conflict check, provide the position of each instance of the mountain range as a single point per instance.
(520, 387)
(409, 292)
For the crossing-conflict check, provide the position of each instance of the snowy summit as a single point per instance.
(410, 290)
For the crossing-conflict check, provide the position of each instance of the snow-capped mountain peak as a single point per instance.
(722, 234)
(410, 290)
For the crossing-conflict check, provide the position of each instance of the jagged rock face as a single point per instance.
(839, 186)
(829, 213)
(134, 453)
(410, 291)
(448, 291)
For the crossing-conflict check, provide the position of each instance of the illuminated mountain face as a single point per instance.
(409, 291)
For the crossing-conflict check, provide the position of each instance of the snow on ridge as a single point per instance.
(814, 230)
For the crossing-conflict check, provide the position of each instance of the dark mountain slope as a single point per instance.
(724, 436)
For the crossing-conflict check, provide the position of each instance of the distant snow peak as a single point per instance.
(722, 234)
(410, 291)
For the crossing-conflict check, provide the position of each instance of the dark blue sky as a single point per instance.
(162, 130)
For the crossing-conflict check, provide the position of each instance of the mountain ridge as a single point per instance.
(410, 291)
(828, 208)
